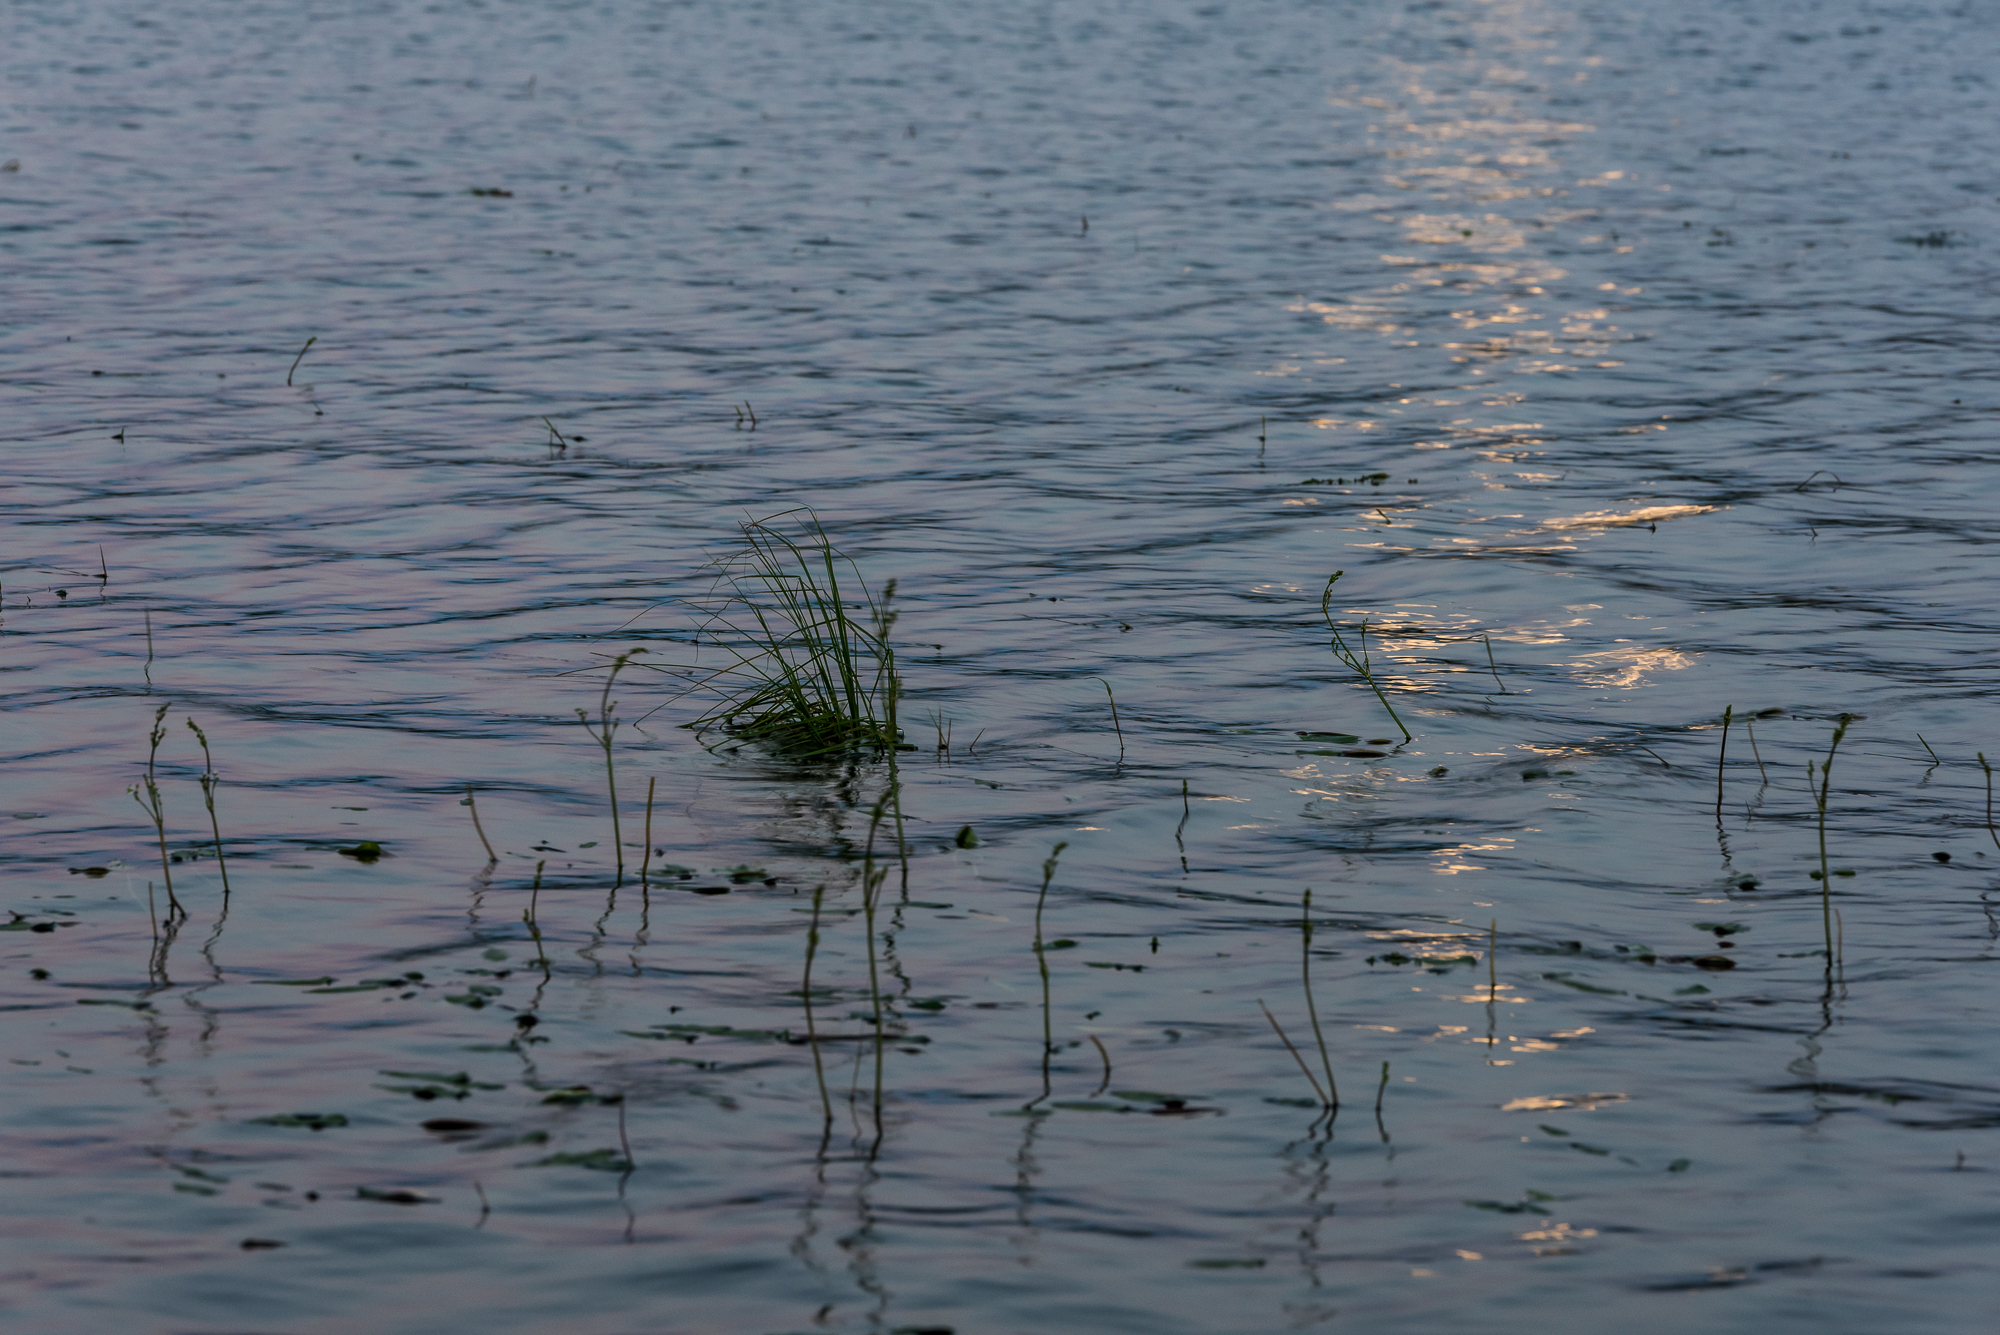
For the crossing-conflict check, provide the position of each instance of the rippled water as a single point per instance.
(1651, 346)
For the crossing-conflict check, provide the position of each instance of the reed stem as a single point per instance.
(1825, 872)
(646, 857)
(806, 991)
(481, 829)
(1312, 1010)
(1042, 963)
(210, 781)
(1722, 759)
(1304, 1070)
(1115, 725)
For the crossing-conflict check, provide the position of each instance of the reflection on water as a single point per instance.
(1622, 357)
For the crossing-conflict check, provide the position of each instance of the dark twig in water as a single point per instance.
(1492, 666)
(301, 357)
(1927, 747)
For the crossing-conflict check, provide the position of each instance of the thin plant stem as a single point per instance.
(1312, 1010)
(871, 885)
(1359, 662)
(210, 781)
(534, 926)
(1380, 1090)
(646, 854)
(1042, 963)
(1492, 961)
(301, 357)
(1304, 1070)
(481, 829)
(1825, 873)
(1106, 1055)
(624, 1141)
(155, 809)
(602, 733)
(1115, 725)
(1722, 759)
(1492, 666)
(1750, 728)
(885, 622)
(806, 992)
(1990, 831)
(1927, 747)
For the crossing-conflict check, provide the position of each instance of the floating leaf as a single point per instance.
(395, 1195)
(310, 1121)
(604, 1161)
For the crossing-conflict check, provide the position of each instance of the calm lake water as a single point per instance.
(1650, 347)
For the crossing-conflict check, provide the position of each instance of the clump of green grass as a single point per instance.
(808, 668)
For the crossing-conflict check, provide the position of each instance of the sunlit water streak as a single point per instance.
(1648, 345)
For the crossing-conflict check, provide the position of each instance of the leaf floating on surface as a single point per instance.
(395, 1195)
(604, 1161)
(309, 1120)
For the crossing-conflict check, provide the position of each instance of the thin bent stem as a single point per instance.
(871, 885)
(155, 809)
(602, 733)
(1042, 963)
(1991, 832)
(646, 857)
(1359, 662)
(210, 781)
(1115, 726)
(1304, 1070)
(1750, 728)
(1825, 873)
(806, 991)
(1722, 759)
(484, 842)
(1312, 1010)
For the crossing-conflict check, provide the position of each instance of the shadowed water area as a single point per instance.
(1648, 349)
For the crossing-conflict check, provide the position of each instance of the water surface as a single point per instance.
(1650, 346)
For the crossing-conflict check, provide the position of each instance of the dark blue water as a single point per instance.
(1650, 347)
